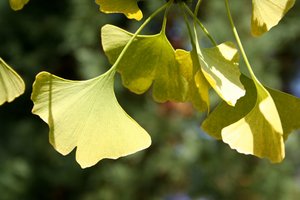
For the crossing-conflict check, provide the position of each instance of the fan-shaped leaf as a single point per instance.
(11, 84)
(266, 140)
(86, 115)
(267, 13)
(220, 67)
(127, 7)
(198, 92)
(17, 4)
(149, 59)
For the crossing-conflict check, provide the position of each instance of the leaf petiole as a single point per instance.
(238, 40)
(205, 31)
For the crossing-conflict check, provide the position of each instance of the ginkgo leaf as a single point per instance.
(11, 84)
(17, 4)
(219, 65)
(86, 115)
(198, 92)
(253, 126)
(285, 104)
(150, 59)
(267, 13)
(127, 7)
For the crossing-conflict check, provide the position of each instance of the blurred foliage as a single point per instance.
(63, 37)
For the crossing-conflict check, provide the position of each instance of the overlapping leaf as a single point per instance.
(86, 115)
(17, 4)
(267, 13)
(127, 7)
(11, 84)
(149, 60)
(219, 65)
(256, 130)
(198, 92)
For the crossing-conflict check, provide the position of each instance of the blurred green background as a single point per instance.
(183, 163)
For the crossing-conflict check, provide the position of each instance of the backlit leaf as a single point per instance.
(267, 13)
(17, 4)
(127, 7)
(86, 115)
(11, 84)
(267, 141)
(198, 92)
(220, 67)
(150, 59)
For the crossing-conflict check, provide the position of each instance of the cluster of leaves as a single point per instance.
(252, 118)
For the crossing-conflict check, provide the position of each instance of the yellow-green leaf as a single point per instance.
(260, 129)
(127, 7)
(11, 84)
(198, 90)
(17, 4)
(86, 115)
(150, 59)
(267, 13)
(220, 67)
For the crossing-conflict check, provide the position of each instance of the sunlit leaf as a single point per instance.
(127, 7)
(220, 67)
(11, 84)
(150, 59)
(267, 141)
(267, 13)
(17, 4)
(198, 86)
(86, 115)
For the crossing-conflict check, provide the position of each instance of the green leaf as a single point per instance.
(267, 13)
(150, 59)
(288, 107)
(220, 67)
(198, 91)
(224, 115)
(86, 115)
(11, 84)
(127, 7)
(17, 4)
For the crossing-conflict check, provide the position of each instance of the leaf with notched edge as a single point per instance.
(150, 60)
(285, 105)
(86, 115)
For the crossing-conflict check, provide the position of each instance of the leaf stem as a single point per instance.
(113, 68)
(188, 26)
(164, 24)
(237, 38)
(205, 31)
(197, 8)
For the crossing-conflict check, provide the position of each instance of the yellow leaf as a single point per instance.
(254, 125)
(86, 115)
(11, 84)
(127, 7)
(267, 13)
(219, 65)
(198, 92)
(258, 133)
(17, 4)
